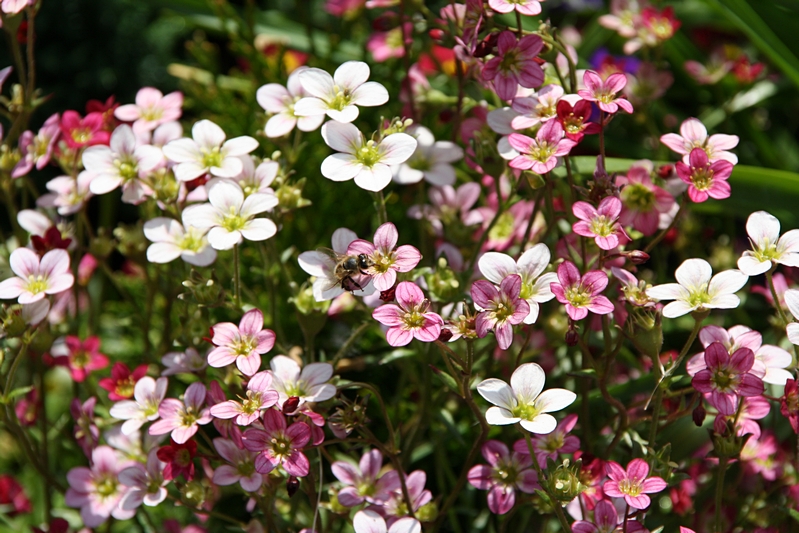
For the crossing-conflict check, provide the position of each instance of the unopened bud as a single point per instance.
(290, 405)
(699, 415)
(292, 485)
(638, 257)
(572, 337)
(445, 335)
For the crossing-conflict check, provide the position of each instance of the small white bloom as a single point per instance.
(279, 101)
(309, 384)
(171, 241)
(523, 400)
(208, 152)
(430, 161)
(148, 395)
(256, 179)
(767, 245)
(369, 162)
(695, 290)
(338, 95)
(67, 194)
(230, 217)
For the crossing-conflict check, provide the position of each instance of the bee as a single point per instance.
(349, 269)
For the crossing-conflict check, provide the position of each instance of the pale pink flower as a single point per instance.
(581, 294)
(549, 446)
(767, 246)
(182, 419)
(338, 95)
(634, 291)
(368, 521)
(705, 179)
(369, 162)
(431, 160)
(187, 362)
(12, 7)
(279, 445)
(259, 396)
(97, 490)
(601, 223)
(501, 121)
(522, 401)
(309, 384)
(727, 377)
(514, 64)
(696, 290)
(624, 17)
(535, 287)
(385, 45)
(712, 72)
(148, 394)
(146, 484)
(634, 484)
(448, 206)
(229, 217)
(500, 309)
(409, 319)
(67, 194)
(36, 150)
(525, 7)
(36, 278)
(241, 467)
(503, 475)
(243, 344)
(279, 101)
(693, 134)
(364, 482)
(541, 107)
(322, 266)
(151, 109)
(605, 92)
(643, 202)
(385, 257)
(541, 153)
(396, 508)
(207, 152)
(170, 241)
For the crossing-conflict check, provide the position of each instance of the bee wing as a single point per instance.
(332, 254)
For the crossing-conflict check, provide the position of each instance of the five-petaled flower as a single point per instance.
(279, 101)
(632, 485)
(605, 92)
(727, 377)
(767, 245)
(503, 475)
(243, 344)
(278, 444)
(601, 223)
(693, 134)
(259, 396)
(182, 419)
(581, 294)
(364, 482)
(309, 384)
(171, 240)
(540, 154)
(81, 356)
(410, 318)
(522, 401)
(705, 179)
(36, 278)
(500, 309)
(385, 257)
(514, 64)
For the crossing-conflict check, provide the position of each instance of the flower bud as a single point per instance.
(11, 322)
(572, 337)
(289, 195)
(564, 483)
(290, 405)
(388, 294)
(194, 493)
(202, 291)
(699, 415)
(427, 512)
(536, 181)
(292, 485)
(727, 443)
(637, 257)
(445, 335)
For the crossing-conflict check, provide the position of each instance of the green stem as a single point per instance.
(380, 205)
(719, 493)
(236, 276)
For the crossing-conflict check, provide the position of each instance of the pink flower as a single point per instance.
(279, 101)
(36, 278)
(606, 520)
(504, 474)
(243, 345)
(575, 118)
(81, 357)
(540, 154)
(146, 483)
(514, 64)
(581, 294)
(705, 179)
(499, 309)
(396, 507)
(643, 202)
(369, 521)
(548, 446)
(538, 108)
(121, 384)
(410, 319)
(632, 485)
(604, 92)
(602, 223)
(37, 149)
(449, 205)
(525, 7)
(387, 259)
(241, 469)
(82, 132)
(67, 194)
(151, 109)
(182, 419)
(278, 444)
(387, 44)
(364, 482)
(97, 491)
(727, 377)
(259, 396)
(693, 134)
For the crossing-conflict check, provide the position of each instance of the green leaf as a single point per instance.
(399, 353)
(5, 400)
(447, 380)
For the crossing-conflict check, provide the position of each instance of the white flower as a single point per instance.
(309, 385)
(430, 161)
(696, 290)
(501, 121)
(229, 216)
(67, 194)
(523, 400)
(208, 152)
(279, 101)
(535, 290)
(369, 162)
(368, 521)
(337, 95)
(256, 179)
(322, 266)
(767, 245)
(148, 395)
(171, 241)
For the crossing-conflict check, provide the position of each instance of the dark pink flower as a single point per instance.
(789, 404)
(575, 119)
(601, 223)
(606, 520)
(705, 179)
(278, 444)
(82, 357)
(540, 154)
(632, 485)
(727, 377)
(411, 318)
(13, 497)
(364, 482)
(605, 92)
(243, 344)
(581, 294)
(499, 309)
(82, 132)
(260, 396)
(385, 256)
(643, 202)
(514, 64)
(505, 473)
(122, 381)
(179, 459)
(550, 445)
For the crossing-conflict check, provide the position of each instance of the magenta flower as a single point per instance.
(241, 467)
(36, 278)
(693, 134)
(364, 482)
(278, 445)
(411, 318)
(606, 520)
(82, 132)
(182, 419)
(97, 491)
(643, 202)
(632, 485)
(525, 7)
(705, 179)
(243, 344)
(81, 357)
(605, 93)
(514, 64)
(540, 154)
(581, 294)
(387, 259)
(600, 223)
(501, 309)
(548, 446)
(503, 475)
(259, 396)
(727, 377)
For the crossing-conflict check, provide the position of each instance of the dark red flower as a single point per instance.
(51, 240)
(120, 384)
(106, 109)
(575, 119)
(179, 459)
(11, 493)
(789, 404)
